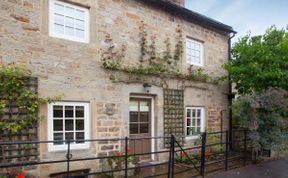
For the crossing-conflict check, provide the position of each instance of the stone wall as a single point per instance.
(74, 69)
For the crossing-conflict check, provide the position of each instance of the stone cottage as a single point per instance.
(65, 44)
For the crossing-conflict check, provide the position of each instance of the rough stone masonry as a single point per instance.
(74, 69)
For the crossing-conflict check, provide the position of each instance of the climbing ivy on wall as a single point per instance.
(19, 101)
(151, 62)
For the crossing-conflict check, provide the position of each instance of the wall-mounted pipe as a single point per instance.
(230, 94)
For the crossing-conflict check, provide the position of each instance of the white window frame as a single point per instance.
(51, 146)
(64, 36)
(202, 120)
(189, 40)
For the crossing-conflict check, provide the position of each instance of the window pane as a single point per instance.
(193, 122)
(193, 113)
(69, 135)
(58, 8)
(80, 111)
(198, 112)
(79, 14)
(144, 117)
(59, 29)
(59, 19)
(69, 111)
(58, 136)
(133, 128)
(79, 33)
(144, 128)
(133, 116)
(188, 122)
(79, 24)
(189, 130)
(57, 111)
(69, 125)
(69, 22)
(198, 122)
(188, 113)
(69, 11)
(80, 136)
(79, 124)
(58, 125)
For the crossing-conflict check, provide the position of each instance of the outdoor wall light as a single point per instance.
(147, 87)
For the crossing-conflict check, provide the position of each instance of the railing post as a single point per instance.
(172, 156)
(203, 150)
(245, 147)
(226, 150)
(126, 157)
(169, 161)
(68, 157)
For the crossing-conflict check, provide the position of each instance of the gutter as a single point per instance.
(191, 16)
(231, 95)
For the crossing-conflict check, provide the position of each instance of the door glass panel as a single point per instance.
(144, 106)
(133, 128)
(69, 111)
(144, 117)
(133, 106)
(144, 128)
(133, 116)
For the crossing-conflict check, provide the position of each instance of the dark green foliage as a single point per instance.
(265, 114)
(260, 62)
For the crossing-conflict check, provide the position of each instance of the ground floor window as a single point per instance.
(195, 121)
(68, 120)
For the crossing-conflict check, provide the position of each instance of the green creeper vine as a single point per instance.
(19, 103)
(178, 54)
(165, 65)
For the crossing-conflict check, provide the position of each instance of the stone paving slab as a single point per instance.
(271, 169)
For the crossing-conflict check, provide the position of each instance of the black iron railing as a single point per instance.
(198, 164)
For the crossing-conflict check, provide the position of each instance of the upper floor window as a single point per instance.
(194, 121)
(68, 21)
(68, 121)
(194, 52)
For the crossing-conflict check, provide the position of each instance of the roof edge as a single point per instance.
(195, 15)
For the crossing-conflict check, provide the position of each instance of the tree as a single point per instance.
(265, 115)
(260, 62)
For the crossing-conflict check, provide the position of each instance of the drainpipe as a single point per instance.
(230, 94)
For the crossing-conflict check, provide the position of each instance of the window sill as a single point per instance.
(192, 138)
(60, 148)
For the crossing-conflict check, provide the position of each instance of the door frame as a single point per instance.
(152, 120)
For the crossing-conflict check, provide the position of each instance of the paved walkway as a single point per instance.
(271, 169)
